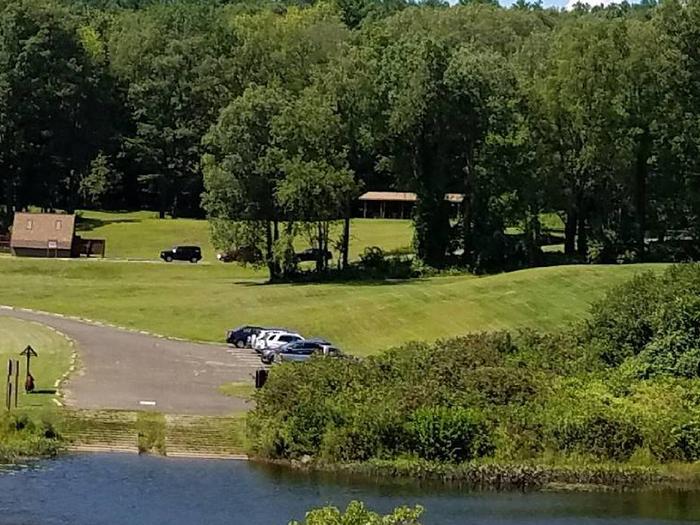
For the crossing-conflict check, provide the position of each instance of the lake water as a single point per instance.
(120, 489)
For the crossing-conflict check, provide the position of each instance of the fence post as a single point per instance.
(8, 390)
(16, 381)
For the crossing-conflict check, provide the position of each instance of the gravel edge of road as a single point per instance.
(105, 324)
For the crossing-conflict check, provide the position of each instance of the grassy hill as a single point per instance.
(200, 302)
(142, 235)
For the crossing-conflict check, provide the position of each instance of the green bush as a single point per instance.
(561, 353)
(648, 308)
(24, 436)
(376, 430)
(621, 323)
(357, 514)
(625, 384)
(449, 434)
(603, 435)
(687, 441)
(674, 347)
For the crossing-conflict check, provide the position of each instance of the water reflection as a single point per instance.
(113, 489)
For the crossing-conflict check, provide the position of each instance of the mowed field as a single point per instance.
(200, 302)
(142, 235)
(54, 358)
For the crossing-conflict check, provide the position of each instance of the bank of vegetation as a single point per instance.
(280, 115)
(612, 400)
(27, 435)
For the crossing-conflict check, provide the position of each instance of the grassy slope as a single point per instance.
(201, 302)
(141, 235)
(53, 360)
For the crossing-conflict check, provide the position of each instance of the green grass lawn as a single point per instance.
(242, 390)
(142, 235)
(201, 302)
(52, 362)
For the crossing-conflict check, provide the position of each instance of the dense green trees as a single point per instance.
(270, 119)
(57, 106)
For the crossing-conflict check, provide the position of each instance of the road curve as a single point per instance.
(122, 369)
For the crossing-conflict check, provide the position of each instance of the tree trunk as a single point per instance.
(277, 268)
(269, 257)
(582, 236)
(346, 240)
(640, 191)
(570, 233)
(533, 234)
(174, 207)
(319, 243)
(467, 238)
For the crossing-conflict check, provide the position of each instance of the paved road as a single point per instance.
(129, 370)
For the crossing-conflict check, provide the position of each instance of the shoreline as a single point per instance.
(496, 477)
(100, 449)
(504, 477)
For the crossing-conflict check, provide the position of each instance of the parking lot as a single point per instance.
(277, 345)
(122, 369)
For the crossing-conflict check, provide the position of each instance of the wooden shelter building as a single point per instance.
(398, 204)
(50, 235)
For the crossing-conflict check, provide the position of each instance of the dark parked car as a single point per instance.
(244, 254)
(242, 335)
(182, 253)
(312, 254)
(299, 351)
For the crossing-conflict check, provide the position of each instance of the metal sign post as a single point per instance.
(29, 382)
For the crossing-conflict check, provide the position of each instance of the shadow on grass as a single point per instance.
(49, 391)
(91, 223)
(338, 282)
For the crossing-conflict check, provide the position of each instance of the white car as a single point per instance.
(275, 340)
(258, 342)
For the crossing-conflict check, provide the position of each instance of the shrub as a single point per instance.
(620, 324)
(686, 438)
(373, 258)
(647, 308)
(376, 264)
(500, 385)
(449, 434)
(560, 353)
(625, 384)
(675, 347)
(25, 436)
(357, 514)
(605, 435)
(375, 430)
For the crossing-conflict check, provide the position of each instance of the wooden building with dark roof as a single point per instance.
(398, 204)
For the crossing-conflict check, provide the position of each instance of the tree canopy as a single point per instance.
(271, 118)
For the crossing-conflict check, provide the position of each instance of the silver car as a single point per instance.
(299, 351)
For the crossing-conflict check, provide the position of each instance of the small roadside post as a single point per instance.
(29, 353)
(260, 377)
(8, 390)
(16, 381)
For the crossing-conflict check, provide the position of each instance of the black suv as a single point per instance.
(312, 254)
(182, 253)
(240, 336)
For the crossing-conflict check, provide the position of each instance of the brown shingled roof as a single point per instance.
(37, 230)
